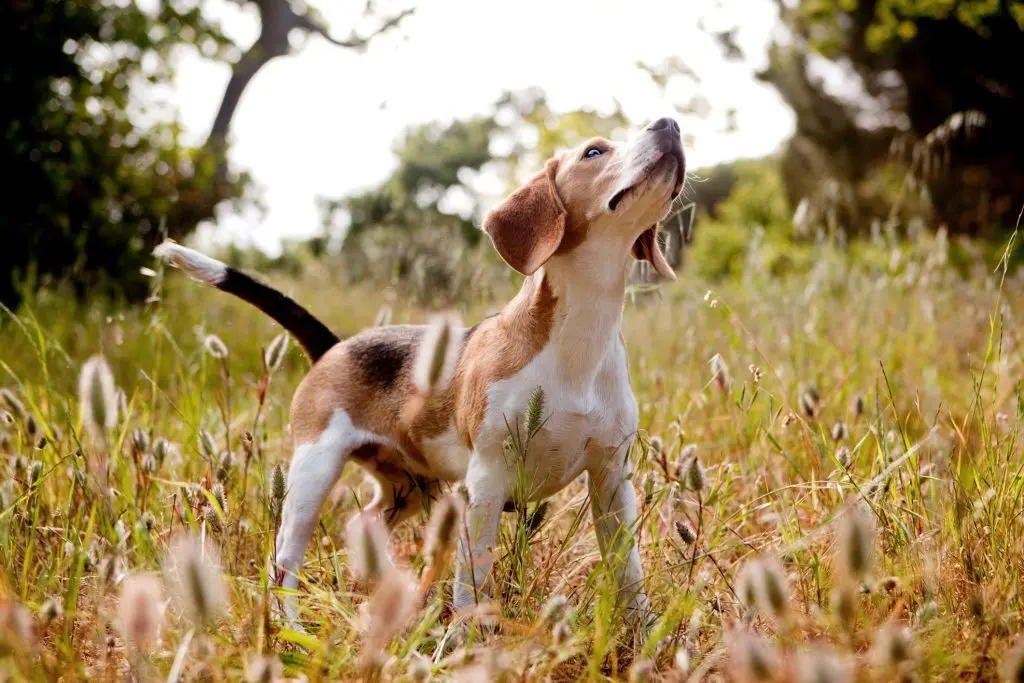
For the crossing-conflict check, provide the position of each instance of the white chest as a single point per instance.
(595, 418)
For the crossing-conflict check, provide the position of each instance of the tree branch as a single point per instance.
(355, 41)
(277, 19)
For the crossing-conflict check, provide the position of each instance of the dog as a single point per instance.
(570, 231)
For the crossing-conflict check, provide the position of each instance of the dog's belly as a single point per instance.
(447, 455)
(556, 454)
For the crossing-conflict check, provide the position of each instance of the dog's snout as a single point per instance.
(665, 123)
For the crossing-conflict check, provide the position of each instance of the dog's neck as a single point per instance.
(589, 288)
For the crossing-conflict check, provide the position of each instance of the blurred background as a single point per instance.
(369, 138)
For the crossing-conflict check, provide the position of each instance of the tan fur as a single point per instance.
(501, 347)
(498, 348)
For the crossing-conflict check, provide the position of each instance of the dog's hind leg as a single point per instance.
(314, 469)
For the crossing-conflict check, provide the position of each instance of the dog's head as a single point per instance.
(605, 193)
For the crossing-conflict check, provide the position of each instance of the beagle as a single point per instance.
(570, 231)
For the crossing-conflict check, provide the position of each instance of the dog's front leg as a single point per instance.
(487, 485)
(613, 506)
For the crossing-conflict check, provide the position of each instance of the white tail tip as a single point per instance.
(198, 266)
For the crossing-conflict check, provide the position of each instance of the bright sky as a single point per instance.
(322, 121)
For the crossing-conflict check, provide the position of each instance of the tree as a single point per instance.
(280, 22)
(941, 96)
(92, 186)
(101, 172)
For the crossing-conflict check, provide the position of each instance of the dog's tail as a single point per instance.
(314, 337)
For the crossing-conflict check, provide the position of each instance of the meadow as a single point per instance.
(829, 467)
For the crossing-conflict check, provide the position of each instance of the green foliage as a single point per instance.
(718, 249)
(757, 197)
(941, 107)
(94, 183)
(893, 22)
(914, 359)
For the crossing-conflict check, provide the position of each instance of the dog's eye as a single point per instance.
(592, 152)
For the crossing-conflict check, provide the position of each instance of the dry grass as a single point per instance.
(894, 387)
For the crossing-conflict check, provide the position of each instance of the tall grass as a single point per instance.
(885, 393)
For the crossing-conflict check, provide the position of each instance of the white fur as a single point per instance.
(591, 418)
(447, 454)
(314, 469)
(198, 266)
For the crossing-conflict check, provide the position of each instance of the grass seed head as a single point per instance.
(681, 660)
(893, 645)
(140, 440)
(389, 610)
(14, 405)
(216, 347)
(383, 317)
(16, 630)
(367, 541)
(97, 396)
(554, 609)
(139, 609)
(50, 611)
(839, 431)
(276, 352)
(844, 605)
(419, 668)
(534, 412)
(686, 453)
(207, 446)
(755, 373)
(808, 406)
(221, 496)
(856, 543)
(843, 457)
(225, 463)
(641, 671)
(773, 588)
(693, 475)
(818, 665)
(437, 356)
(198, 582)
(561, 632)
(720, 373)
(445, 522)
(277, 485)
(753, 658)
(264, 669)
(1012, 666)
(890, 584)
(685, 531)
(859, 405)
(747, 584)
(35, 471)
(161, 448)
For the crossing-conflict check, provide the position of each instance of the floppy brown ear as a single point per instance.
(646, 248)
(527, 228)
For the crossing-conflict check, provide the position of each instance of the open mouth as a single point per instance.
(675, 158)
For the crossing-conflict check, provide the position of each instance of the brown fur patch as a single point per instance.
(528, 226)
(501, 347)
(369, 377)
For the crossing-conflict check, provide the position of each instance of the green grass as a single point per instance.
(932, 357)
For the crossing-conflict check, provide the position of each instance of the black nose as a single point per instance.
(664, 123)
